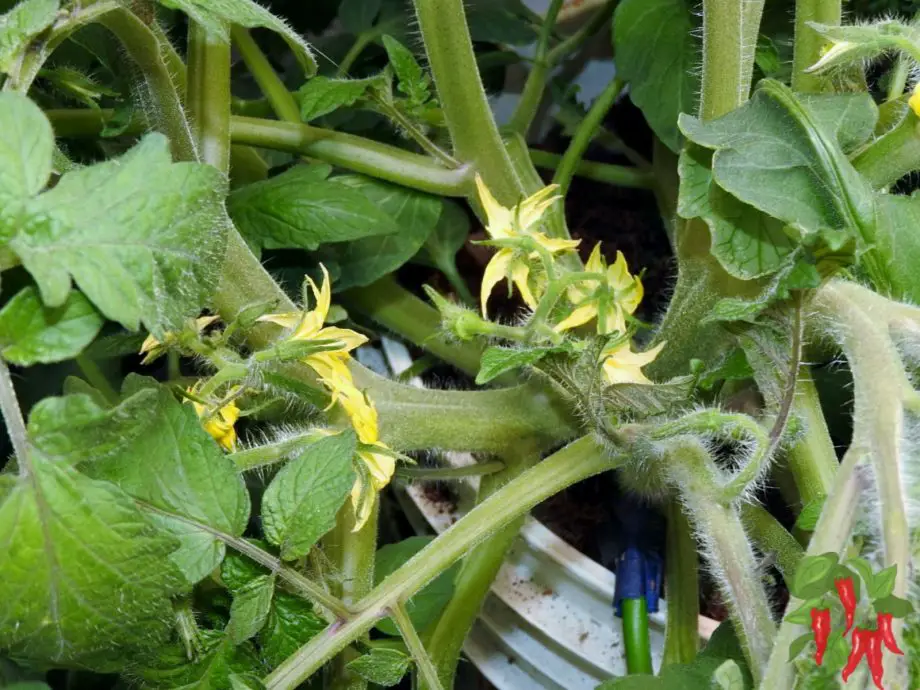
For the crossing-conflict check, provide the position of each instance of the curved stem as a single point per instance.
(466, 109)
(577, 461)
(529, 103)
(681, 638)
(355, 153)
(585, 133)
(772, 538)
(12, 416)
(572, 43)
(361, 42)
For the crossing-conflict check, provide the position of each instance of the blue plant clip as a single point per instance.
(639, 574)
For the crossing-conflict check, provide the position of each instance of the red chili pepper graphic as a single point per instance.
(858, 651)
(874, 657)
(847, 594)
(821, 627)
(884, 629)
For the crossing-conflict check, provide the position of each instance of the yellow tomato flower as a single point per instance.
(914, 101)
(332, 365)
(153, 348)
(380, 468)
(609, 303)
(622, 365)
(516, 223)
(220, 423)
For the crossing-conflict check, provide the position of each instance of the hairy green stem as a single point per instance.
(682, 638)
(12, 416)
(619, 175)
(585, 133)
(478, 469)
(282, 101)
(808, 43)
(812, 460)
(466, 109)
(572, 43)
(475, 578)
(428, 674)
(772, 538)
(355, 153)
(270, 453)
(577, 461)
(208, 95)
(529, 103)
(730, 30)
(162, 102)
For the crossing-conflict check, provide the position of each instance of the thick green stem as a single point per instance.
(162, 103)
(475, 578)
(282, 101)
(730, 30)
(619, 175)
(427, 673)
(401, 312)
(682, 638)
(466, 109)
(636, 637)
(808, 43)
(355, 153)
(831, 535)
(208, 95)
(893, 155)
(577, 461)
(772, 538)
(585, 133)
(529, 104)
(812, 460)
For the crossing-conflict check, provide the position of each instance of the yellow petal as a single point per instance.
(363, 508)
(330, 365)
(532, 208)
(149, 343)
(361, 411)
(618, 275)
(553, 244)
(349, 339)
(579, 316)
(498, 218)
(289, 320)
(380, 465)
(595, 263)
(914, 101)
(622, 365)
(203, 322)
(613, 320)
(495, 271)
(519, 274)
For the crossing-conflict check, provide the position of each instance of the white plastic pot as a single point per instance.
(548, 622)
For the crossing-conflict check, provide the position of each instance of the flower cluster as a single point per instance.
(601, 293)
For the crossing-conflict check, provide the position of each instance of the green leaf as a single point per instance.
(413, 81)
(863, 568)
(813, 577)
(215, 15)
(802, 615)
(424, 607)
(798, 644)
(499, 21)
(291, 624)
(250, 608)
(237, 571)
(657, 47)
(246, 681)
(86, 576)
(897, 243)
(300, 209)
(321, 95)
(449, 236)
(747, 242)
(177, 468)
(210, 671)
(497, 360)
(811, 512)
(26, 143)
(19, 26)
(728, 676)
(31, 333)
(882, 584)
(732, 367)
(384, 667)
(137, 235)
(357, 16)
(776, 154)
(364, 261)
(300, 504)
(896, 606)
